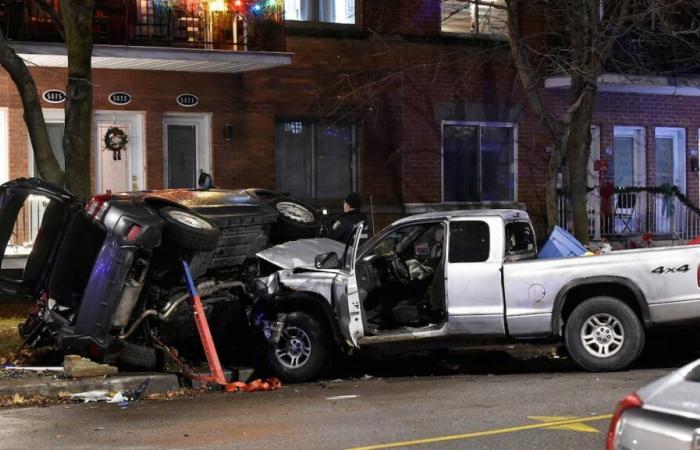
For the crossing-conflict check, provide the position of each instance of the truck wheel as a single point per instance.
(296, 220)
(188, 230)
(604, 334)
(304, 349)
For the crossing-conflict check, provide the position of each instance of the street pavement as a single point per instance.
(501, 398)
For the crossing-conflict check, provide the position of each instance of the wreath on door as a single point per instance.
(115, 140)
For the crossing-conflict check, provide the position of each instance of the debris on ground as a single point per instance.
(35, 368)
(77, 367)
(122, 398)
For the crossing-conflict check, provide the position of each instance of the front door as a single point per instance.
(474, 289)
(629, 171)
(669, 158)
(119, 168)
(593, 196)
(187, 149)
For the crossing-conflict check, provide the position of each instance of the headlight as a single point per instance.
(267, 287)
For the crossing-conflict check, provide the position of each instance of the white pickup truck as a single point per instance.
(448, 279)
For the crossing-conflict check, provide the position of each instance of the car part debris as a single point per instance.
(35, 368)
(216, 376)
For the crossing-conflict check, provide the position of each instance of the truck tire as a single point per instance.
(188, 230)
(296, 220)
(604, 334)
(304, 349)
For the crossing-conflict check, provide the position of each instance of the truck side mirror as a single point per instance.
(205, 181)
(327, 261)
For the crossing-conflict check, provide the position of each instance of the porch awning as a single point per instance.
(637, 84)
(155, 58)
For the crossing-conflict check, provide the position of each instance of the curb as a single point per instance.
(47, 386)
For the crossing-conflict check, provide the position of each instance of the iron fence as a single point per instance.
(624, 215)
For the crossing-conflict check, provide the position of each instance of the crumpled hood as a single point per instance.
(678, 392)
(301, 253)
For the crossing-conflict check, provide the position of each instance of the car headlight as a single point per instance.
(268, 286)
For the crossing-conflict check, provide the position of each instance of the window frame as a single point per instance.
(479, 124)
(315, 21)
(473, 35)
(315, 123)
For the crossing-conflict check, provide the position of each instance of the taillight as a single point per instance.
(698, 275)
(97, 206)
(630, 401)
(133, 233)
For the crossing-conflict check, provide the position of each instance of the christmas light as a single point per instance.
(217, 6)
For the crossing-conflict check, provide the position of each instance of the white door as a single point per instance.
(669, 158)
(186, 149)
(121, 171)
(593, 196)
(629, 210)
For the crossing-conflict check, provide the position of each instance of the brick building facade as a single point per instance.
(416, 107)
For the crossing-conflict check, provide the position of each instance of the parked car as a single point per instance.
(662, 415)
(106, 276)
(455, 278)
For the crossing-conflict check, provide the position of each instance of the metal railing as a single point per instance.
(223, 25)
(625, 215)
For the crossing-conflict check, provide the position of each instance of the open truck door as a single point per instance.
(33, 215)
(352, 322)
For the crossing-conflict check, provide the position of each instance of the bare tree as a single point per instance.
(74, 23)
(592, 31)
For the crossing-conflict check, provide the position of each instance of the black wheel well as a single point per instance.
(578, 294)
(314, 305)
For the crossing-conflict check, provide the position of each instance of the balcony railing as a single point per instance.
(216, 24)
(662, 213)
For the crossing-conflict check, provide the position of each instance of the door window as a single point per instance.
(469, 242)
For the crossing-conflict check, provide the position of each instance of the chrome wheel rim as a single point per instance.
(602, 335)
(295, 212)
(294, 348)
(190, 220)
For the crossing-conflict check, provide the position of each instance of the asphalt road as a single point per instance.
(485, 399)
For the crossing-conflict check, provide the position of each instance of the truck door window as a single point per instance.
(469, 242)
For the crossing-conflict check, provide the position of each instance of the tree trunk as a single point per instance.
(578, 153)
(550, 186)
(77, 18)
(46, 162)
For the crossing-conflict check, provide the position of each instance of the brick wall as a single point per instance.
(393, 86)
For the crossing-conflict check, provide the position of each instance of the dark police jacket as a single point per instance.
(341, 227)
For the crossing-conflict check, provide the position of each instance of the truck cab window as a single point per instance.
(469, 241)
(519, 241)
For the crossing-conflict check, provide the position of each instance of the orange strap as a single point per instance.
(270, 384)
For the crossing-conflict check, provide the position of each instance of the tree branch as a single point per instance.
(33, 116)
(50, 11)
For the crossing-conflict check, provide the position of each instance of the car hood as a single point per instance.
(301, 253)
(676, 393)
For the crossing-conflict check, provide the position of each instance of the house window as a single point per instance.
(314, 160)
(478, 17)
(331, 11)
(478, 162)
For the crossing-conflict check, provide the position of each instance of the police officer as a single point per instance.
(342, 226)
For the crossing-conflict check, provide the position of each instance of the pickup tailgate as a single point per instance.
(666, 278)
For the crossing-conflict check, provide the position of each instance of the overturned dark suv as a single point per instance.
(107, 276)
